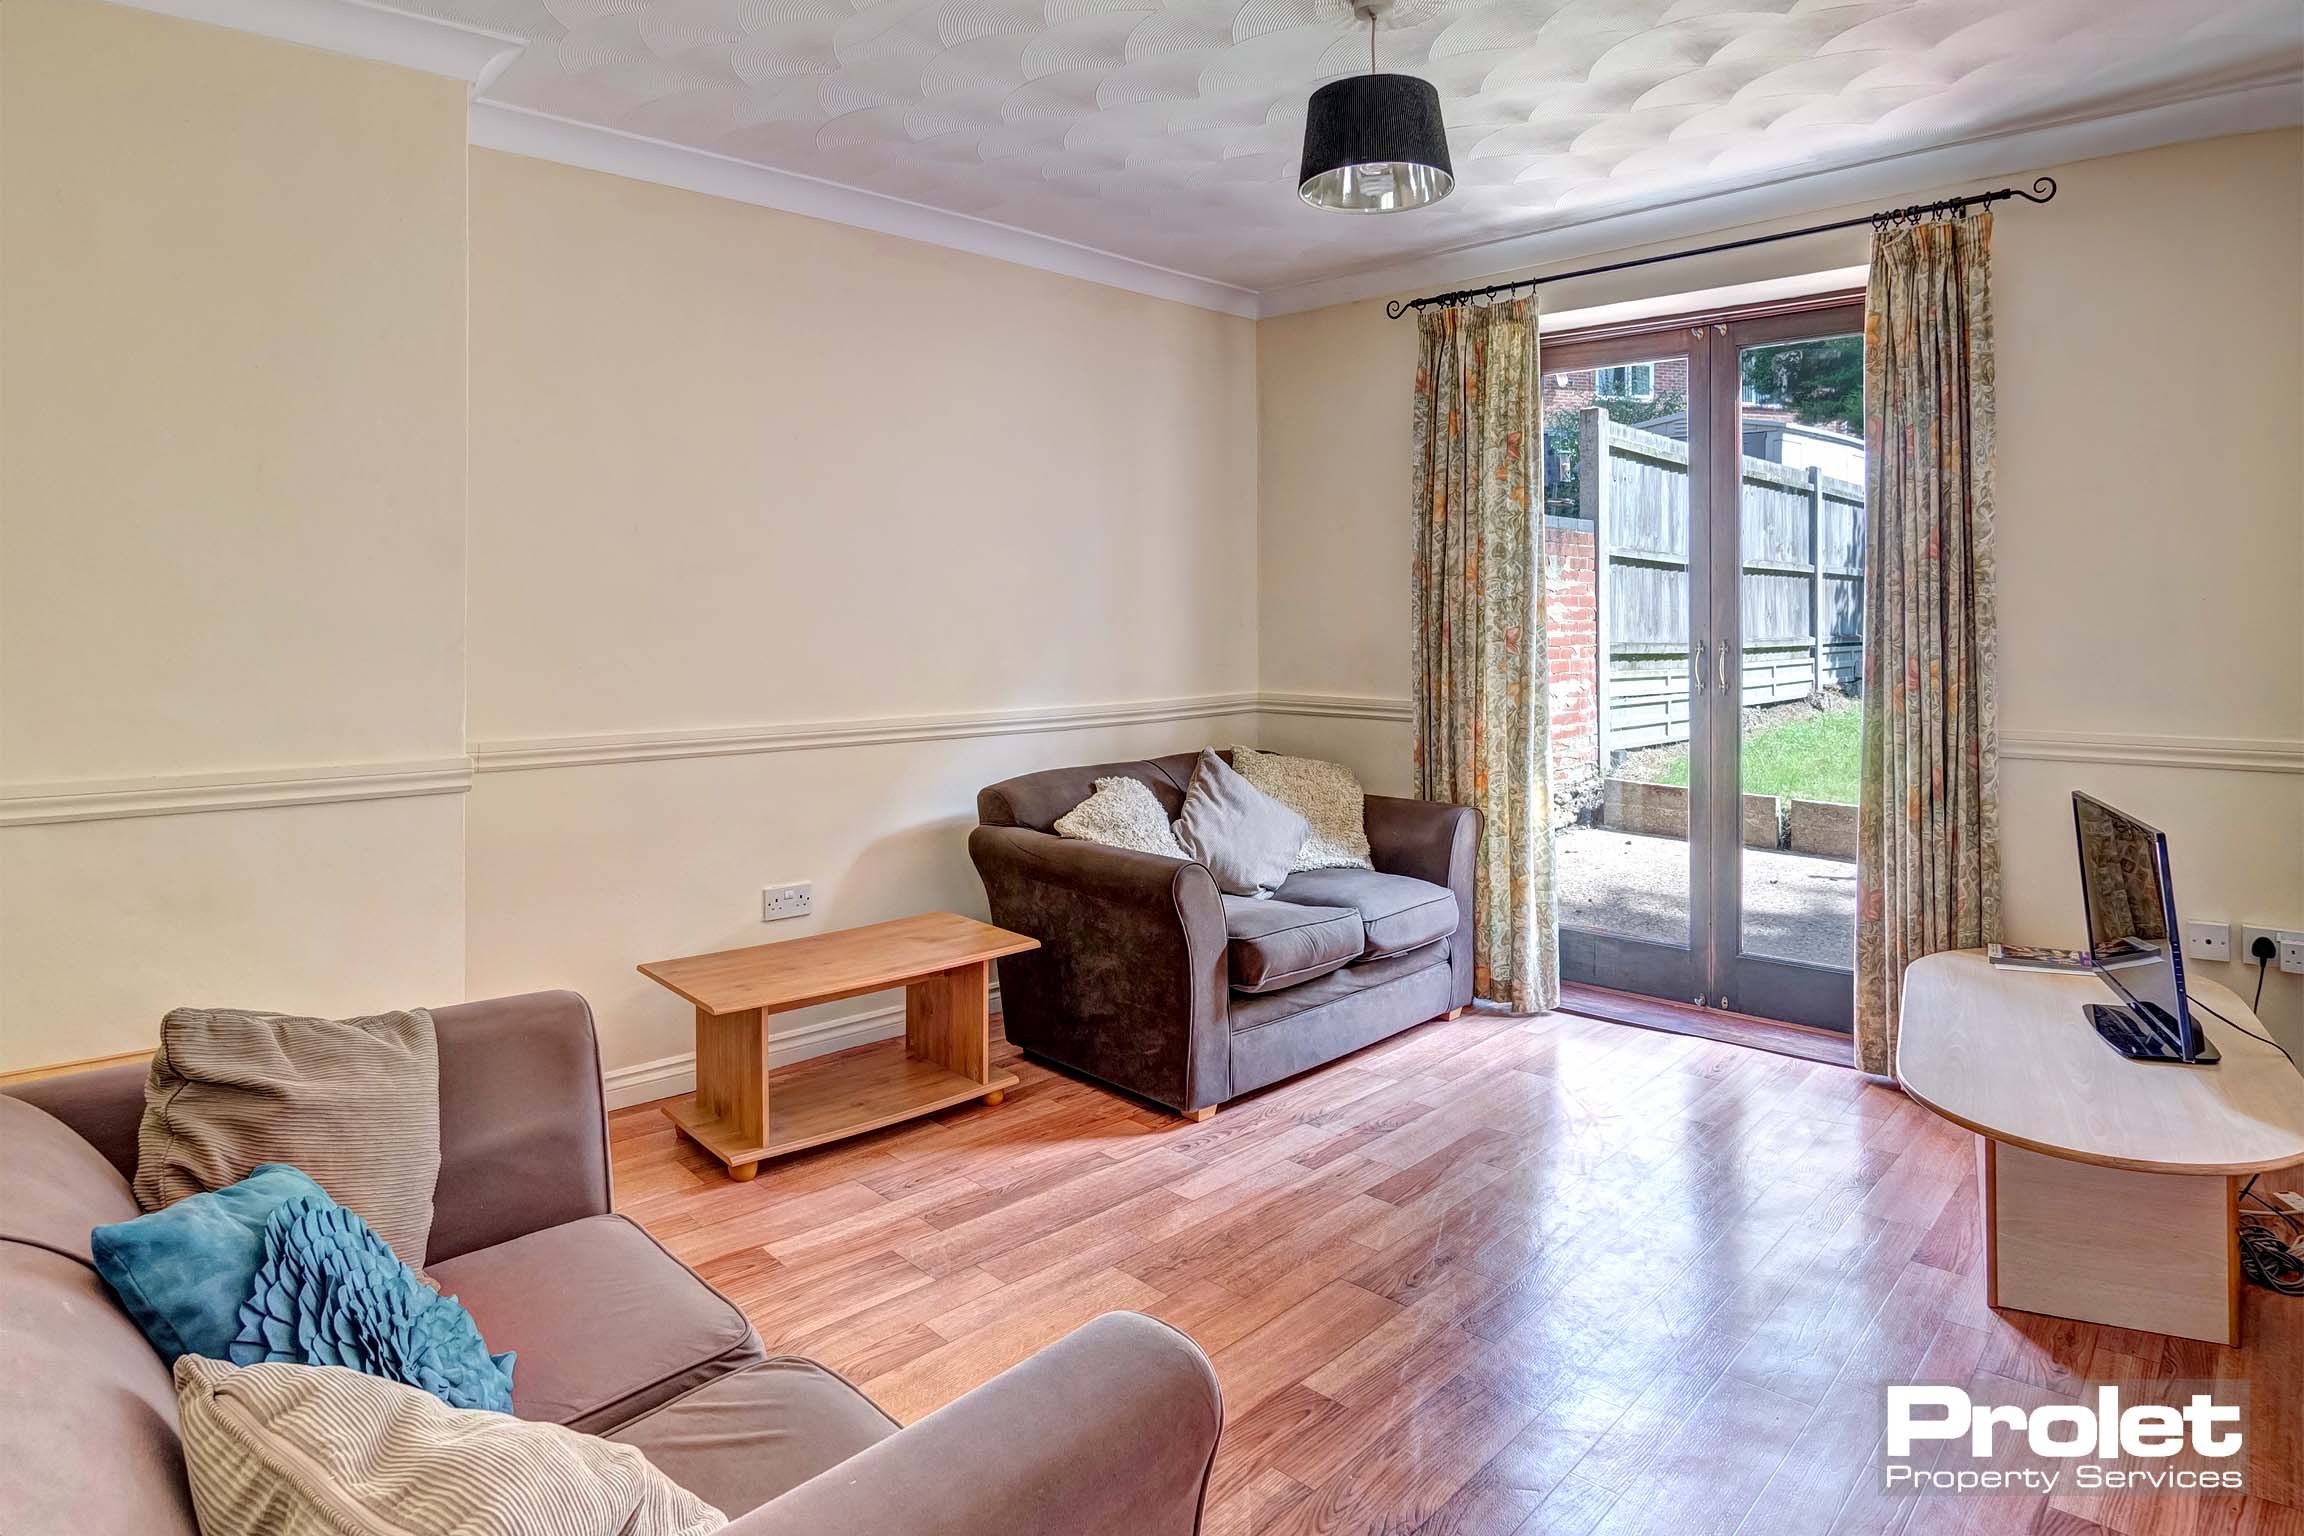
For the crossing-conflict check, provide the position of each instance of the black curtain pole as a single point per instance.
(2043, 189)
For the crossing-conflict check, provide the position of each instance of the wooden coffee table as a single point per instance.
(743, 1114)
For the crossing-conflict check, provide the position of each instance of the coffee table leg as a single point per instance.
(732, 1082)
(948, 1020)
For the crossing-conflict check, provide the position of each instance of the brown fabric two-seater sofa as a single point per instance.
(1151, 979)
(1109, 1429)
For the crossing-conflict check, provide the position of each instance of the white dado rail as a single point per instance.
(32, 805)
(175, 795)
(2235, 754)
(817, 735)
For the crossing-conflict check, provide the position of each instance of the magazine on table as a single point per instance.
(2034, 957)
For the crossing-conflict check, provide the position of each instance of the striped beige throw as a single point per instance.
(355, 1103)
(316, 1450)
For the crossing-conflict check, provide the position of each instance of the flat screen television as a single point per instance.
(2133, 937)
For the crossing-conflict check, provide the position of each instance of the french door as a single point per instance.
(1703, 544)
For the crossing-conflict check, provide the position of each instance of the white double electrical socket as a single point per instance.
(778, 902)
(2288, 948)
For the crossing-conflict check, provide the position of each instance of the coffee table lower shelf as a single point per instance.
(813, 1102)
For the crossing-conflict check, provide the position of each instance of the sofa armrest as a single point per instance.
(1111, 1428)
(523, 1128)
(1433, 841)
(1131, 982)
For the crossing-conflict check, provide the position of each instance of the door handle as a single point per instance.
(1697, 671)
(1723, 679)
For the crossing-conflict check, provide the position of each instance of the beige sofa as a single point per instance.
(1110, 1428)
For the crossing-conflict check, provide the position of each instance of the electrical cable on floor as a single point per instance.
(2270, 1262)
(2266, 1258)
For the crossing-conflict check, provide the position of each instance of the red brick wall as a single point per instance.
(1574, 390)
(1572, 642)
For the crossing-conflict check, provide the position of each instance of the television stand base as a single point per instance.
(2140, 1040)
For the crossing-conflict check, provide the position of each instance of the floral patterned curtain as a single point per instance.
(1928, 841)
(1478, 617)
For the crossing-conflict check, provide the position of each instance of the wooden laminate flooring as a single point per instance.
(1499, 1275)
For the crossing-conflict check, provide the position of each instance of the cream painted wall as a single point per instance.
(577, 874)
(235, 403)
(231, 518)
(2151, 366)
(732, 470)
(736, 469)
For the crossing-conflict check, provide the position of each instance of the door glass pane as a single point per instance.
(1800, 517)
(1616, 584)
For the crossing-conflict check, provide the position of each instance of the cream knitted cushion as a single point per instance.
(1123, 813)
(354, 1103)
(1325, 795)
(316, 1450)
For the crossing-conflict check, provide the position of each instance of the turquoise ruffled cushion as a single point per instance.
(331, 1292)
(182, 1272)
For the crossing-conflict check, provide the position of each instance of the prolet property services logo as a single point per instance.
(2146, 1437)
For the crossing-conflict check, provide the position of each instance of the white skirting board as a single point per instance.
(671, 1076)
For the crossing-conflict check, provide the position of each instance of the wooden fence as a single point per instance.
(1802, 582)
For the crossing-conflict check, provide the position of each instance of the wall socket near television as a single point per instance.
(2287, 945)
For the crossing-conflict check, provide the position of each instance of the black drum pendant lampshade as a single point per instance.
(1374, 143)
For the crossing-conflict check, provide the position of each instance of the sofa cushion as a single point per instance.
(1123, 813)
(1245, 838)
(90, 1417)
(1284, 1033)
(280, 1449)
(1276, 944)
(59, 1186)
(355, 1103)
(328, 1292)
(183, 1273)
(1400, 912)
(741, 1440)
(606, 1324)
(1325, 794)
(1249, 1013)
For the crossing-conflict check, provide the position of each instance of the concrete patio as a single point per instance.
(1796, 906)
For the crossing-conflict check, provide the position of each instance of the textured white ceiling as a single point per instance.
(1168, 130)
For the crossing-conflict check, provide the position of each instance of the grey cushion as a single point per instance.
(1400, 912)
(1247, 839)
(1274, 944)
(741, 1440)
(355, 1103)
(606, 1323)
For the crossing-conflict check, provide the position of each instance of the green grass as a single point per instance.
(1808, 756)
